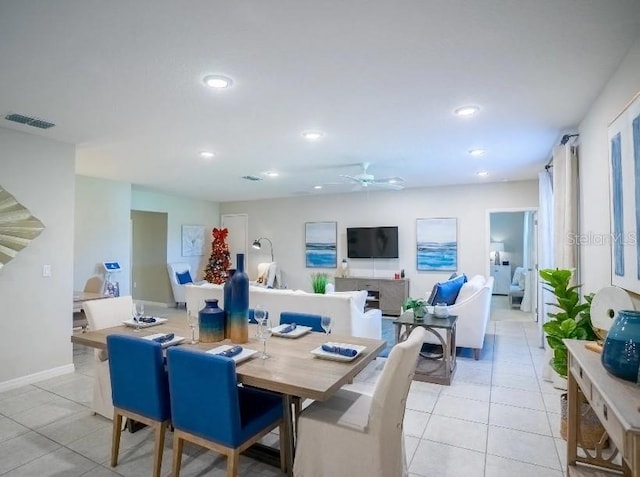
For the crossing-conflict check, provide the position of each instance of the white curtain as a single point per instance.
(528, 261)
(545, 242)
(565, 207)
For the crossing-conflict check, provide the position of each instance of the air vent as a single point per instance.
(252, 178)
(29, 121)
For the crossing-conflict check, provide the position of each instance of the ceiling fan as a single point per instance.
(365, 180)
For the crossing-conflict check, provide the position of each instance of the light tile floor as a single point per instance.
(498, 418)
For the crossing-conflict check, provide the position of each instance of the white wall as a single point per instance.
(595, 258)
(181, 211)
(282, 220)
(103, 230)
(36, 312)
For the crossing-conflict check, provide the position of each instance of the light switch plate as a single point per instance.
(46, 271)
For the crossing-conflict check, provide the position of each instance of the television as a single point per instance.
(372, 242)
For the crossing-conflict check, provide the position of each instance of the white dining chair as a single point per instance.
(350, 423)
(101, 314)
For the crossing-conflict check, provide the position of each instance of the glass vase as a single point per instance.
(621, 351)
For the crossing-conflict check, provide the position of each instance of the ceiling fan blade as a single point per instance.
(386, 185)
(389, 180)
(351, 178)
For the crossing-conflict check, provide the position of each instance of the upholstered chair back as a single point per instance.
(108, 312)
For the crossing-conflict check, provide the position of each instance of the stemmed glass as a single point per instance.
(264, 331)
(138, 313)
(192, 320)
(325, 322)
(259, 314)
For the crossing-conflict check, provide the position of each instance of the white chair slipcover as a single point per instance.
(102, 314)
(178, 289)
(359, 435)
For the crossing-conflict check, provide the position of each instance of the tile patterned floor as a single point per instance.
(498, 418)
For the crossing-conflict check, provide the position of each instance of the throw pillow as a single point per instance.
(447, 292)
(184, 277)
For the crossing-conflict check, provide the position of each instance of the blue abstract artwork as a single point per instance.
(437, 244)
(618, 225)
(624, 162)
(320, 244)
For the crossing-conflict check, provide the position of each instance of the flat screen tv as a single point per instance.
(372, 242)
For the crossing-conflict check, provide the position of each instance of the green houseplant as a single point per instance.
(418, 305)
(571, 321)
(319, 282)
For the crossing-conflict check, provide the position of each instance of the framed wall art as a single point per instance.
(320, 244)
(624, 165)
(437, 244)
(192, 240)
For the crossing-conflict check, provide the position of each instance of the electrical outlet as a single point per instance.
(46, 271)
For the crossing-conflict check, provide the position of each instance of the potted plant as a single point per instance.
(319, 282)
(572, 321)
(418, 305)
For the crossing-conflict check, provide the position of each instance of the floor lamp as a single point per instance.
(256, 244)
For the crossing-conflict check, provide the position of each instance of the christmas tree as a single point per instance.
(219, 263)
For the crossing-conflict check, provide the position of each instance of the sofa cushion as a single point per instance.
(184, 277)
(467, 291)
(447, 292)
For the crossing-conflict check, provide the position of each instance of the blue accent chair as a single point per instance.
(139, 389)
(304, 319)
(209, 409)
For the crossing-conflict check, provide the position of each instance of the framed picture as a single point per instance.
(192, 240)
(624, 164)
(320, 244)
(437, 244)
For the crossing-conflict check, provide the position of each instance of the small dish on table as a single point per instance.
(322, 354)
(145, 322)
(297, 332)
(175, 340)
(245, 354)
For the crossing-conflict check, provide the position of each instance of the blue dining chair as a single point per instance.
(304, 319)
(139, 389)
(209, 409)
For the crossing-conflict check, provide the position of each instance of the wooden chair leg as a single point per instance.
(177, 454)
(115, 437)
(160, 430)
(283, 448)
(233, 460)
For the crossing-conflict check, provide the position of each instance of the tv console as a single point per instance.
(387, 294)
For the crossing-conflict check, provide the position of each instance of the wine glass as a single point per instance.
(136, 317)
(325, 322)
(259, 314)
(264, 331)
(192, 320)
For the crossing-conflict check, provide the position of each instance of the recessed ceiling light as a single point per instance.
(466, 111)
(312, 135)
(476, 152)
(318, 187)
(271, 174)
(206, 154)
(483, 173)
(217, 81)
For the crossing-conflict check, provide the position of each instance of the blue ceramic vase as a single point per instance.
(211, 319)
(237, 308)
(621, 352)
(226, 293)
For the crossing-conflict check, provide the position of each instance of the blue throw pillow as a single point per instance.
(184, 277)
(447, 292)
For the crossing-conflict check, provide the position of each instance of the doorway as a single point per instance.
(149, 279)
(512, 251)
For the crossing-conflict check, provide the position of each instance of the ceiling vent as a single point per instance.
(29, 121)
(252, 178)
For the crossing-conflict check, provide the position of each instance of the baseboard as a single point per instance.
(36, 377)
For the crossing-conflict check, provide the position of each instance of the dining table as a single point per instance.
(291, 370)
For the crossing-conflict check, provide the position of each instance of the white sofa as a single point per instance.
(473, 308)
(346, 308)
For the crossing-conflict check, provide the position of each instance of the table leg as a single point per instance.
(446, 357)
(572, 419)
(287, 403)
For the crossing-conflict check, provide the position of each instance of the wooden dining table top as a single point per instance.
(292, 369)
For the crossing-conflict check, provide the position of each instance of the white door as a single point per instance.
(238, 238)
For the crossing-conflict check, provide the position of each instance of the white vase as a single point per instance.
(559, 382)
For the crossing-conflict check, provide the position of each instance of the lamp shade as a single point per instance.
(497, 247)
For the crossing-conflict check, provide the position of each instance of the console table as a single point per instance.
(387, 294)
(617, 405)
